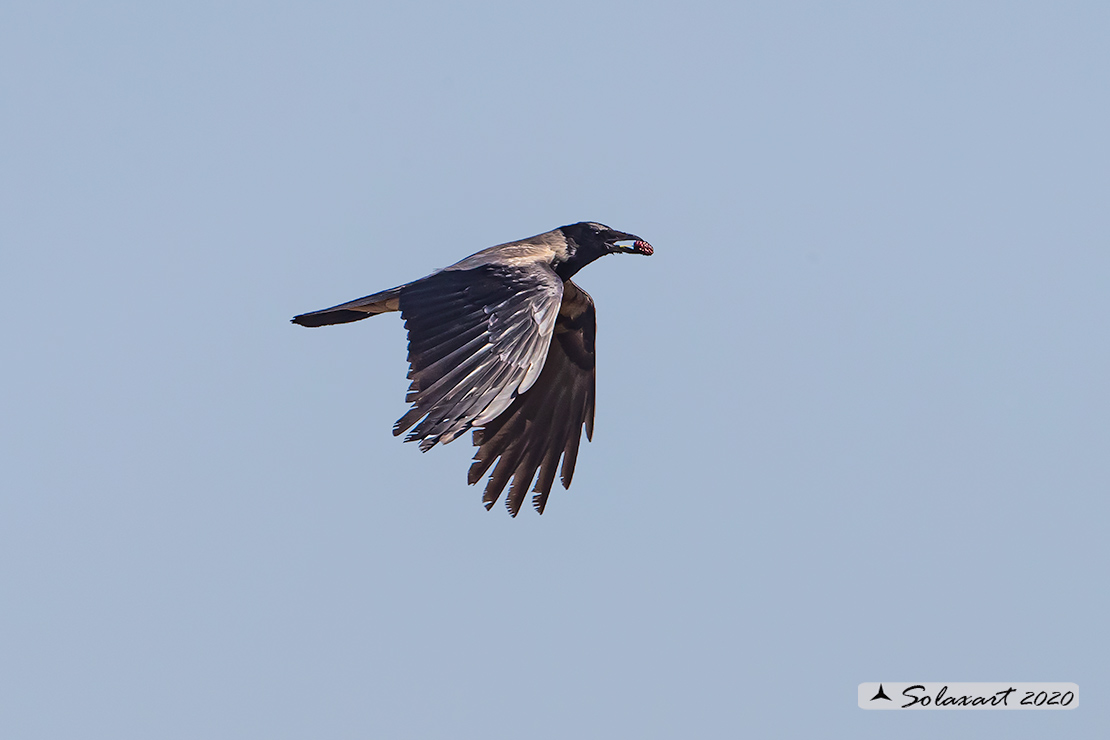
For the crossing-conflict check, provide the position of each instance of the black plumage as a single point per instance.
(502, 343)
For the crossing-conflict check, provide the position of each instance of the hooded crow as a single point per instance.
(502, 342)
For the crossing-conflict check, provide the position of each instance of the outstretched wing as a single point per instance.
(478, 338)
(545, 423)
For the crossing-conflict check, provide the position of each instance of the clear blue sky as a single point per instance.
(853, 416)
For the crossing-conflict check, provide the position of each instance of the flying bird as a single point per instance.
(502, 343)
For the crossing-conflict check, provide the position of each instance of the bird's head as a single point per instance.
(599, 239)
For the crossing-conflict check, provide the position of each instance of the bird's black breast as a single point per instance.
(576, 327)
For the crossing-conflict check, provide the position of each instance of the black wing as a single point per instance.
(545, 423)
(477, 338)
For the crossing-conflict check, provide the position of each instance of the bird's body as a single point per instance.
(502, 342)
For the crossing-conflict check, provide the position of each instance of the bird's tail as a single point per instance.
(387, 300)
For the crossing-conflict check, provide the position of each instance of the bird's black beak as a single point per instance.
(639, 246)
